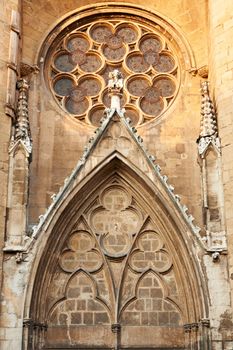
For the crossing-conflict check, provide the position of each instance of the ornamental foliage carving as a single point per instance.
(81, 61)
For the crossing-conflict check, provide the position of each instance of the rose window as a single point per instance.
(82, 60)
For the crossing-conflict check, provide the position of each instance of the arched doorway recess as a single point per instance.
(116, 270)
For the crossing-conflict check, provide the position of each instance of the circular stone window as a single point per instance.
(80, 62)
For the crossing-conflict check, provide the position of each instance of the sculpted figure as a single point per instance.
(116, 81)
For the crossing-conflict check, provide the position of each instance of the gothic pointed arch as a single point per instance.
(116, 257)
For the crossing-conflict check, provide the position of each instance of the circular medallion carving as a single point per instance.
(83, 57)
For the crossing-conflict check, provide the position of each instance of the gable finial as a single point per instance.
(115, 88)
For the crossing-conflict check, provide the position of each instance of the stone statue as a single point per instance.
(115, 88)
(115, 83)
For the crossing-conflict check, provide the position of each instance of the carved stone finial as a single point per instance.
(115, 88)
(208, 129)
(22, 129)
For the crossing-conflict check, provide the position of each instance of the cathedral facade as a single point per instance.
(116, 175)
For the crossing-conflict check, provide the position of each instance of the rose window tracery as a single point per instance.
(81, 61)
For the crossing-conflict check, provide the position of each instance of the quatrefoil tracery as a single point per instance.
(90, 52)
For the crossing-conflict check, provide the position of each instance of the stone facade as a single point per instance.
(98, 249)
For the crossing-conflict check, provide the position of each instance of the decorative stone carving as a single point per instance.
(114, 264)
(115, 83)
(22, 129)
(209, 149)
(26, 69)
(208, 130)
(116, 327)
(20, 150)
(115, 88)
(205, 322)
(80, 66)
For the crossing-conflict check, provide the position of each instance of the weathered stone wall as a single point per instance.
(221, 79)
(58, 140)
(6, 8)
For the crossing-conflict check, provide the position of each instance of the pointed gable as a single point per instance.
(116, 138)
